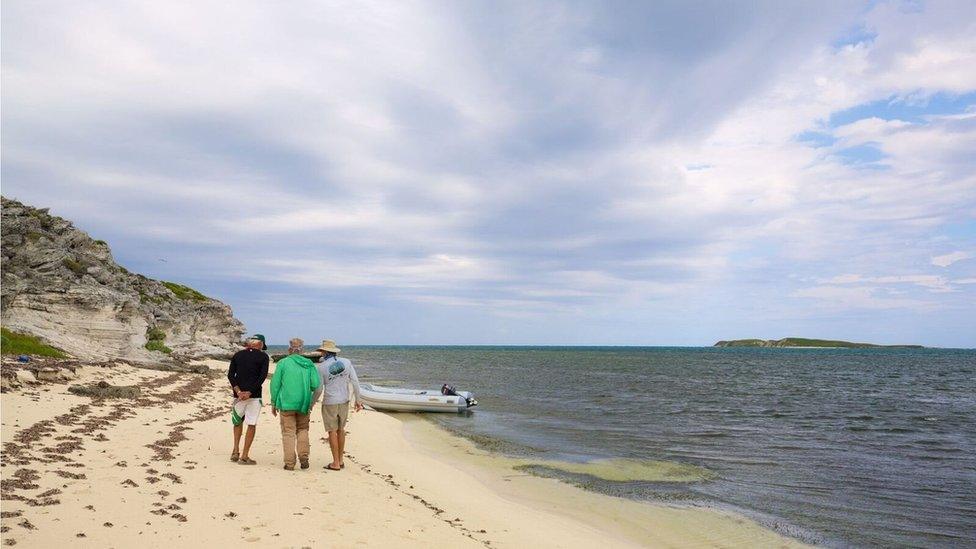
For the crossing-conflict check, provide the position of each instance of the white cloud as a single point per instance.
(842, 297)
(931, 282)
(950, 258)
(525, 155)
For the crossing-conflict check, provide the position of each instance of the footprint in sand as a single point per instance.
(252, 539)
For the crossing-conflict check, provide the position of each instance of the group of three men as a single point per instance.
(296, 386)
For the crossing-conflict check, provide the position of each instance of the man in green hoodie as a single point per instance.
(295, 378)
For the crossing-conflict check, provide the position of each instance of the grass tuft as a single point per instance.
(185, 292)
(158, 345)
(74, 266)
(13, 343)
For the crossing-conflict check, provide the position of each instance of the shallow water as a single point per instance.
(839, 447)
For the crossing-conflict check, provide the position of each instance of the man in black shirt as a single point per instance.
(247, 372)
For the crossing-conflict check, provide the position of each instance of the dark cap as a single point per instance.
(260, 337)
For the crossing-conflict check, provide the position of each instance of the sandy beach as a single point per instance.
(154, 471)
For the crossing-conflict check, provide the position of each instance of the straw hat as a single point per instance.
(328, 346)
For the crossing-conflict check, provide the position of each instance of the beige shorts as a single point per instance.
(334, 416)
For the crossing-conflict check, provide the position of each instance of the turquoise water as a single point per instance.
(837, 447)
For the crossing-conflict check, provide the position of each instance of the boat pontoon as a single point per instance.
(392, 399)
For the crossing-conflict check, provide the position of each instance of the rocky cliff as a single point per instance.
(64, 287)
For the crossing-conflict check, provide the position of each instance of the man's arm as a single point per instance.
(355, 385)
(321, 387)
(264, 368)
(355, 382)
(275, 385)
(232, 374)
(315, 381)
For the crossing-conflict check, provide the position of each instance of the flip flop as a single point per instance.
(248, 461)
(331, 468)
(235, 456)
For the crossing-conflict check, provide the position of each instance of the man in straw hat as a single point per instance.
(294, 381)
(247, 372)
(336, 373)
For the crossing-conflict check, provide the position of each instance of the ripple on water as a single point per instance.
(623, 470)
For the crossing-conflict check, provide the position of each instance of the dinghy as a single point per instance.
(391, 399)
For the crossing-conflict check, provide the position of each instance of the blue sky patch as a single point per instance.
(816, 139)
(910, 109)
(866, 155)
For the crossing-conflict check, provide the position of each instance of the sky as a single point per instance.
(524, 173)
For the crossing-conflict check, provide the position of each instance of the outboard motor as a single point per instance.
(450, 390)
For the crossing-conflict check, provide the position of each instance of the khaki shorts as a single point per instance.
(334, 416)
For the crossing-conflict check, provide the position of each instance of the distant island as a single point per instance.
(804, 342)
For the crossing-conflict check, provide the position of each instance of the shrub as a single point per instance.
(184, 292)
(13, 343)
(101, 243)
(74, 266)
(158, 345)
(155, 334)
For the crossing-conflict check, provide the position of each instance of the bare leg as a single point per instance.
(342, 444)
(248, 439)
(334, 446)
(238, 429)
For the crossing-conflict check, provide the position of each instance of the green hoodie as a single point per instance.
(294, 380)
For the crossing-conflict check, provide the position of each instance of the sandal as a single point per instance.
(234, 456)
(248, 461)
(289, 467)
(331, 468)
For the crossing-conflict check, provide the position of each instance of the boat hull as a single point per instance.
(407, 400)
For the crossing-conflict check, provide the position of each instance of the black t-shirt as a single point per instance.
(248, 370)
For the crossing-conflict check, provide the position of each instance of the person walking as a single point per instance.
(247, 372)
(295, 379)
(336, 374)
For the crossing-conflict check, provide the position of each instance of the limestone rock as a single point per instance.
(25, 376)
(64, 287)
(48, 374)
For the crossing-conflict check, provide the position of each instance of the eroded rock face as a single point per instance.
(64, 287)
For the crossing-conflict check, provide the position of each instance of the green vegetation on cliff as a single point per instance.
(805, 342)
(13, 343)
(185, 292)
(156, 341)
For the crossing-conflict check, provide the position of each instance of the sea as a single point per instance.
(836, 447)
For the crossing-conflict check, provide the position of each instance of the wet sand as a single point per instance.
(154, 471)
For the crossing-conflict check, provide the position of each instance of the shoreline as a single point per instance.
(641, 523)
(155, 472)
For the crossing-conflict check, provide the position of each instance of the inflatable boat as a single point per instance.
(390, 399)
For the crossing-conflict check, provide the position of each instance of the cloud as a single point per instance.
(931, 282)
(537, 163)
(950, 258)
(840, 297)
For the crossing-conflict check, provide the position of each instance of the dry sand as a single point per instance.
(155, 472)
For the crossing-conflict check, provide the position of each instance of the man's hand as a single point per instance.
(274, 411)
(358, 407)
(244, 395)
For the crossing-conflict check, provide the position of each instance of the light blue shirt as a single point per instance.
(336, 385)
